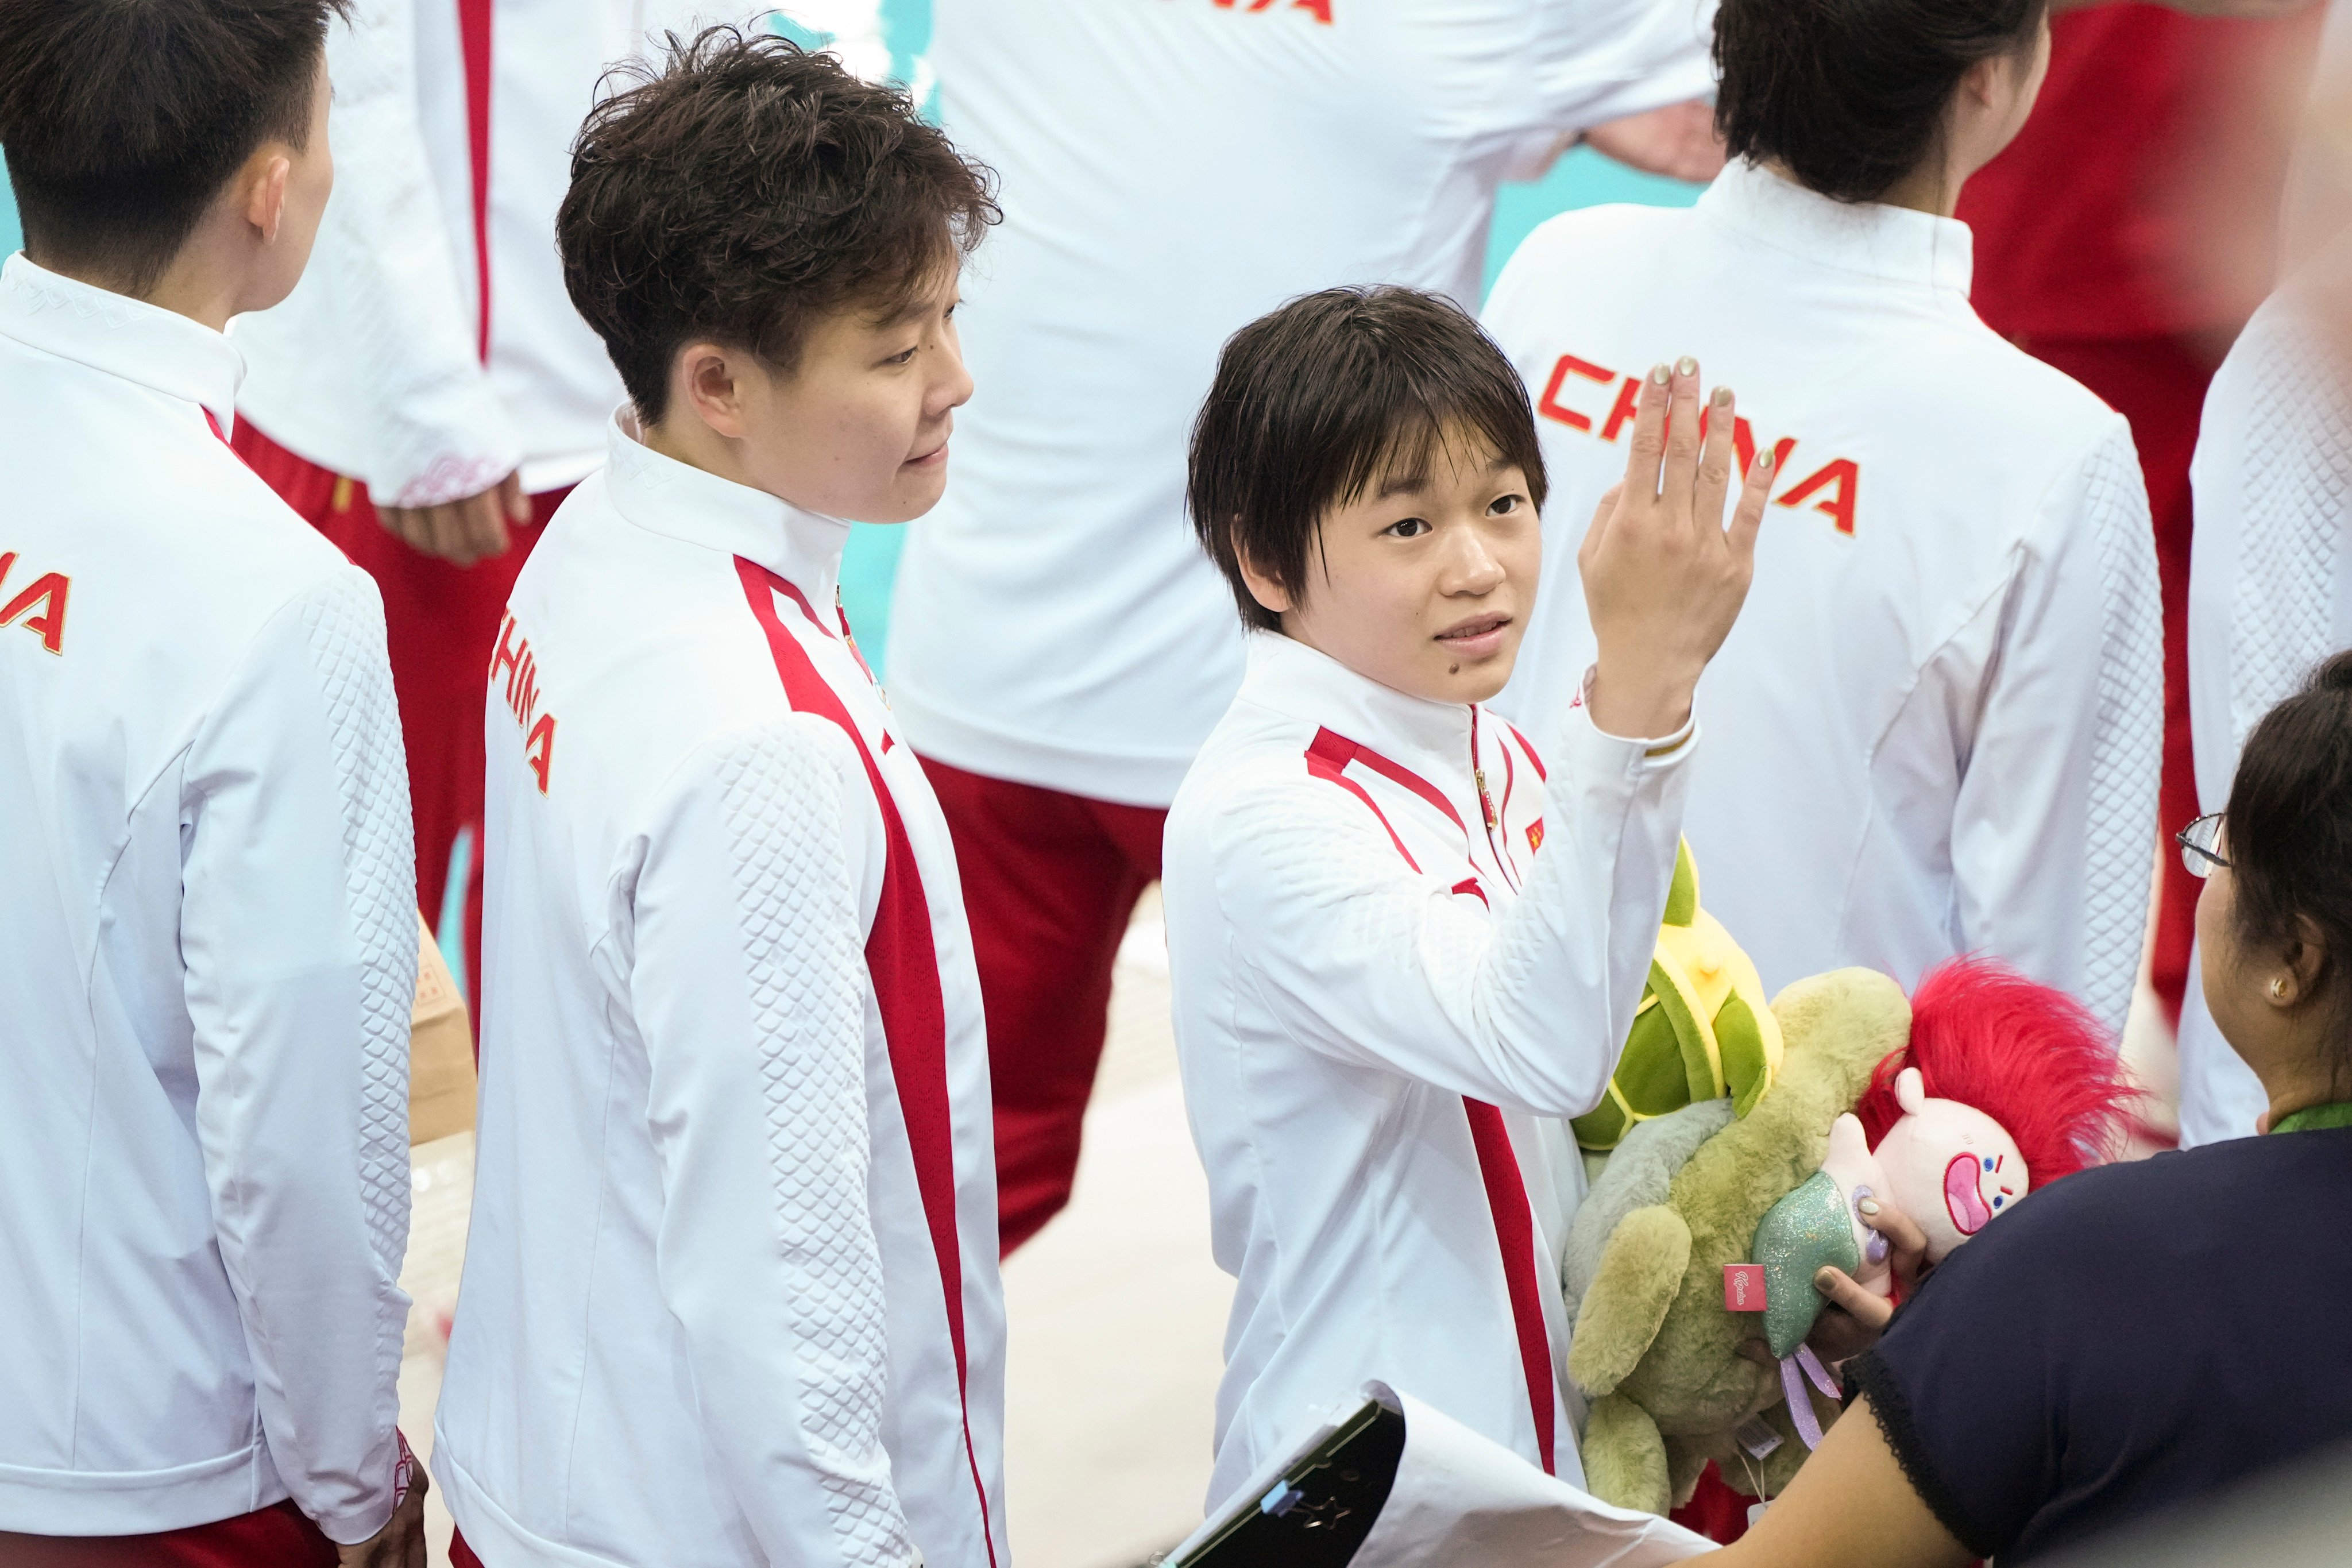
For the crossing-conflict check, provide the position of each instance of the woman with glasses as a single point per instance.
(2142, 1334)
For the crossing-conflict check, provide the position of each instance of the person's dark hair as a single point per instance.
(124, 119)
(1326, 396)
(745, 189)
(1849, 96)
(2289, 829)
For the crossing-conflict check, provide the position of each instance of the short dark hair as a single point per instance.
(2289, 835)
(743, 190)
(1326, 396)
(1849, 96)
(124, 119)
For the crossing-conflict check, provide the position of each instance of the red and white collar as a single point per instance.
(1286, 677)
(663, 496)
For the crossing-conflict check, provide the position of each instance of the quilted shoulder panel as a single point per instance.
(783, 800)
(2128, 729)
(342, 623)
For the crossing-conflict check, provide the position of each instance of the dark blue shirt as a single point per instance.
(2133, 1337)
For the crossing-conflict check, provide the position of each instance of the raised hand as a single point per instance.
(1664, 578)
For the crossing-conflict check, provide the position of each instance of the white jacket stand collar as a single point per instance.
(680, 502)
(121, 336)
(1894, 245)
(1304, 683)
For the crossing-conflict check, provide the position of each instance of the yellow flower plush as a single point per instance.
(1702, 1032)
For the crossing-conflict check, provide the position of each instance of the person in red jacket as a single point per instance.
(2124, 237)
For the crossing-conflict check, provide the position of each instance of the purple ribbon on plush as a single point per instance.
(1819, 1374)
(1792, 1389)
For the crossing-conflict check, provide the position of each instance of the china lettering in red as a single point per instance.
(1832, 488)
(47, 592)
(513, 656)
(1319, 9)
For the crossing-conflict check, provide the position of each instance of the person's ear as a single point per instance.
(2300, 966)
(1981, 84)
(264, 191)
(709, 381)
(1271, 595)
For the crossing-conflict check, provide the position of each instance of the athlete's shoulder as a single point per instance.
(654, 655)
(1587, 246)
(2036, 392)
(1249, 783)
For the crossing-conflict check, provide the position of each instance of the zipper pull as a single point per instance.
(1485, 801)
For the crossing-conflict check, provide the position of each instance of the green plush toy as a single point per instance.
(1701, 1031)
(1654, 1348)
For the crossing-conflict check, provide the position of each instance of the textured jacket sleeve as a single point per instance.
(748, 982)
(1364, 959)
(299, 932)
(2055, 817)
(1597, 60)
(436, 430)
(2274, 469)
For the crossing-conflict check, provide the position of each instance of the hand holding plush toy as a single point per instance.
(1983, 1083)
(2006, 1044)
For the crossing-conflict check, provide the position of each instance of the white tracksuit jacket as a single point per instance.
(207, 955)
(1379, 987)
(730, 1295)
(2270, 596)
(1936, 727)
(430, 348)
(1172, 170)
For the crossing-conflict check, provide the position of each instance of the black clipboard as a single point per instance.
(1322, 1508)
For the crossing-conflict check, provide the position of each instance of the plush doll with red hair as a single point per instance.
(2004, 1086)
(1956, 1103)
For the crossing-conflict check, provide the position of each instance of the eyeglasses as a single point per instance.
(2200, 844)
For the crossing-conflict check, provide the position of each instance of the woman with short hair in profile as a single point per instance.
(2141, 1335)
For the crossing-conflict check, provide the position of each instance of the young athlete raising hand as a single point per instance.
(1403, 948)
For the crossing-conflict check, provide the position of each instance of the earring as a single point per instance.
(2278, 988)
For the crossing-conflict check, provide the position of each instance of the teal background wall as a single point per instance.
(1581, 178)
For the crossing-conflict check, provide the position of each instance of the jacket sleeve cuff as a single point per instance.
(1660, 749)
(452, 441)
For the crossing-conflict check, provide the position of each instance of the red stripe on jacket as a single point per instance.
(904, 964)
(1498, 1165)
(474, 43)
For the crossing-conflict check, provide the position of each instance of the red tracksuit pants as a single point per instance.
(440, 623)
(276, 1537)
(1049, 881)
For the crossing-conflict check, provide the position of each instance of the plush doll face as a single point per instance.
(1949, 1166)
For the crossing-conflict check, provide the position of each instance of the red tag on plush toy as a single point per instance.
(1743, 1287)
